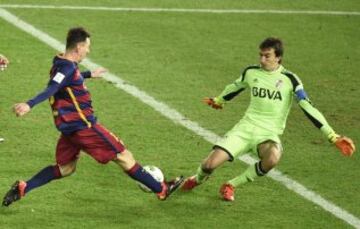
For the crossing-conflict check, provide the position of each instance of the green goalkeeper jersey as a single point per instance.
(272, 94)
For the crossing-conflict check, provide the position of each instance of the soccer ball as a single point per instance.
(155, 172)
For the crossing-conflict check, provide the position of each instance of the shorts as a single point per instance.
(244, 138)
(96, 141)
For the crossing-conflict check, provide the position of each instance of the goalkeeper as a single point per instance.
(272, 90)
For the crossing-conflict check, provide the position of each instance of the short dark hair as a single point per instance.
(275, 43)
(75, 36)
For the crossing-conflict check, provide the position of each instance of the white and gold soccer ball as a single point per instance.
(155, 172)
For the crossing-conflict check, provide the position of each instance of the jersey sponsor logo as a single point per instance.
(59, 77)
(266, 93)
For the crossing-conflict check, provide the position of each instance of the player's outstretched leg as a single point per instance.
(227, 190)
(162, 189)
(168, 187)
(16, 192)
(20, 188)
(216, 158)
(191, 182)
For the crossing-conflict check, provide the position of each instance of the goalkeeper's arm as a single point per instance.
(344, 144)
(227, 94)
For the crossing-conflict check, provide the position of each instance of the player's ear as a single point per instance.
(278, 58)
(78, 47)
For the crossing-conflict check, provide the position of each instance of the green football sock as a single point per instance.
(201, 175)
(247, 176)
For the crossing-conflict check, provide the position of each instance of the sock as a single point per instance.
(43, 177)
(202, 175)
(138, 173)
(248, 175)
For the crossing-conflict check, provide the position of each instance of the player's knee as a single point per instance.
(207, 166)
(125, 160)
(67, 170)
(273, 158)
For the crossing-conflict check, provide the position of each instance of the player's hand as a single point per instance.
(211, 102)
(21, 109)
(4, 62)
(345, 145)
(97, 73)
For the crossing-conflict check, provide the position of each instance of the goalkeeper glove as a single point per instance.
(344, 144)
(213, 102)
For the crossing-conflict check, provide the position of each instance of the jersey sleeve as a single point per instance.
(60, 79)
(316, 118)
(233, 89)
(309, 110)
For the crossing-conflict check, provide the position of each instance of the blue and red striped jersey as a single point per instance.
(71, 104)
(68, 96)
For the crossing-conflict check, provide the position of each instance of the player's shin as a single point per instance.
(202, 174)
(248, 175)
(139, 174)
(43, 177)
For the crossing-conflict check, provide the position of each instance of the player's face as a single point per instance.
(84, 49)
(268, 60)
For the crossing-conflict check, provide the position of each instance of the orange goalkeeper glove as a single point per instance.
(344, 144)
(213, 103)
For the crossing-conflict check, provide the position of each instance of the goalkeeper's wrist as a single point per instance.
(219, 100)
(332, 137)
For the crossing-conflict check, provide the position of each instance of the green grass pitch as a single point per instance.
(179, 58)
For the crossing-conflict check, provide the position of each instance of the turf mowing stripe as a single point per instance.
(178, 118)
(179, 10)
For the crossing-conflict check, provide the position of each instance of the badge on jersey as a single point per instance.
(59, 77)
(278, 84)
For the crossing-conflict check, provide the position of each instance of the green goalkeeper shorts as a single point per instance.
(243, 138)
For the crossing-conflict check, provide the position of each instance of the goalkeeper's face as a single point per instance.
(268, 59)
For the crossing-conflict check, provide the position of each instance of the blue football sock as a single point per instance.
(43, 177)
(138, 173)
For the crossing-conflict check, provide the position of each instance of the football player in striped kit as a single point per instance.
(74, 117)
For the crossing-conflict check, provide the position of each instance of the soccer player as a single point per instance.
(272, 89)
(74, 117)
(3, 65)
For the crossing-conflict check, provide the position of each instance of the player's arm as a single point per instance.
(344, 144)
(58, 81)
(230, 92)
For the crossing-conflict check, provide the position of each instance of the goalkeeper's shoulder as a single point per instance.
(246, 70)
(251, 67)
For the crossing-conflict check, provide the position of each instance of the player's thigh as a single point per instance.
(270, 152)
(265, 142)
(99, 143)
(234, 145)
(216, 158)
(66, 151)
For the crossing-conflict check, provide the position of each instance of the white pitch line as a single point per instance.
(178, 118)
(179, 10)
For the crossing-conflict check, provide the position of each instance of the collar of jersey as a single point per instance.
(278, 70)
